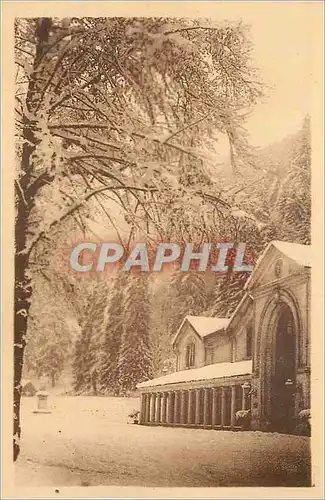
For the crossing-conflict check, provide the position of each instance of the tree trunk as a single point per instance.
(23, 287)
(94, 383)
(25, 200)
(23, 293)
(53, 379)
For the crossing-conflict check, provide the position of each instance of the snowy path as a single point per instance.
(87, 441)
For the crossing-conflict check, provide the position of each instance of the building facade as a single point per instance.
(257, 361)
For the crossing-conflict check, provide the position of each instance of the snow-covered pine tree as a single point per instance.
(108, 369)
(188, 295)
(240, 226)
(227, 293)
(49, 345)
(135, 357)
(293, 207)
(88, 347)
(164, 359)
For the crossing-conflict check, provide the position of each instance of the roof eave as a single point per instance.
(221, 330)
(240, 305)
(199, 381)
(179, 330)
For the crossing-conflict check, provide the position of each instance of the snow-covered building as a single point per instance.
(257, 360)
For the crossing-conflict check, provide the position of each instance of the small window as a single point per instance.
(249, 342)
(190, 355)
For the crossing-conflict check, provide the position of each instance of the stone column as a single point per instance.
(233, 406)
(177, 407)
(147, 417)
(214, 406)
(197, 406)
(206, 409)
(143, 408)
(223, 406)
(190, 406)
(170, 418)
(158, 407)
(183, 407)
(164, 407)
(153, 408)
(246, 388)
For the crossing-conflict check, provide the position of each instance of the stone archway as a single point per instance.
(279, 357)
(284, 373)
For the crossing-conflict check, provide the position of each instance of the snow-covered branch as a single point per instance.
(73, 208)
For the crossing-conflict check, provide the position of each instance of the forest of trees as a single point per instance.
(118, 128)
(126, 333)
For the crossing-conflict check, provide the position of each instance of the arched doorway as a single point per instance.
(278, 367)
(284, 372)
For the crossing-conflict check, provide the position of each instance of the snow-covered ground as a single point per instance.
(87, 441)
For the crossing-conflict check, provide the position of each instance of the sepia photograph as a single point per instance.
(163, 247)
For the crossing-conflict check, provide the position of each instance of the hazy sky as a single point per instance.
(285, 53)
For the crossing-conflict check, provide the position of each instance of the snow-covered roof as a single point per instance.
(301, 254)
(203, 325)
(209, 372)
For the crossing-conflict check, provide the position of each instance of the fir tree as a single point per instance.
(49, 347)
(229, 286)
(108, 371)
(188, 295)
(164, 358)
(293, 208)
(227, 293)
(80, 366)
(88, 347)
(135, 357)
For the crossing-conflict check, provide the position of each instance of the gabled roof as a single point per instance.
(301, 254)
(203, 325)
(209, 372)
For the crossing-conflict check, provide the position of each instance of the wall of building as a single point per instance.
(188, 335)
(269, 291)
(270, 271)
(240, 345)
(302, 391)
(293, 290)
(221, 344)
(242, 322)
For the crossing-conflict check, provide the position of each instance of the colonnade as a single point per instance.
(202, 407)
